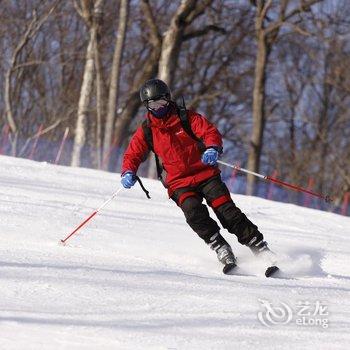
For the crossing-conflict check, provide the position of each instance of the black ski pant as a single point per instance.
(217, 195)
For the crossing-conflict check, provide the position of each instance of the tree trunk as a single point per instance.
(99, 105)
(323, 128)
(256, 141)
(8, 111)
(133, 104)
(114, 83)
(172, 41)
(84, 100)
(171, 46)
(266, 36)
(149, 71)
(92, 17)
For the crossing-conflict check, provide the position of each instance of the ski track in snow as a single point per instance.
(136, 277)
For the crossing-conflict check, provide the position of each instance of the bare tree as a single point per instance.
(115, 77)
(99, 105)
(91, 13)
(173, 38)
(149, 70)
(312, 104)
(32, 29)
(267, 32)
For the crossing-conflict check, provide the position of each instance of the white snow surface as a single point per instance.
(137, 277)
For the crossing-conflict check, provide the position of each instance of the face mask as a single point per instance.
(159, 108)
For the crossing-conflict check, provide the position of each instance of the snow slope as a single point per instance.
(138, 278)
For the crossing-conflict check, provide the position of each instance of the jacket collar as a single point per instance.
(166, 122)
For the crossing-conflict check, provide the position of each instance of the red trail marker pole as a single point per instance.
(344, 208)
(270, 191)
(5, 136)
(233, 178)
(58, 157)
(37, 136)
(307, 198)
(106, 159)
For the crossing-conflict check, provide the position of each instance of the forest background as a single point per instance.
(271, 74)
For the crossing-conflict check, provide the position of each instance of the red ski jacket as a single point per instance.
(179, 152)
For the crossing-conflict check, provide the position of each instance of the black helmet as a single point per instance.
(154, 89)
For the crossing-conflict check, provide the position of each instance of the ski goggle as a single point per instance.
(156, 104)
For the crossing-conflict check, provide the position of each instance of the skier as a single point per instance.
(187, 149)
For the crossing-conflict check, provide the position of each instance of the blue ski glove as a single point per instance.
(210, 156)
(128, 179)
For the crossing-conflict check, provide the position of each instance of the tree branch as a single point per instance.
(283, 18)
(156, 37)
(26, 64)
(265, 8)
(299, 30)
(204, 31)
(39, 133)
(193, 10)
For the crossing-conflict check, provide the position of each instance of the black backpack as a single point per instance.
(185, 123)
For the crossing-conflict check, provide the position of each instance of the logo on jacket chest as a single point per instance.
(179, 132)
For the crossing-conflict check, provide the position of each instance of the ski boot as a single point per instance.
(223, 251)
(261, 250)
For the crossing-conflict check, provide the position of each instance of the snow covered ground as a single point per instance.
(138, 278)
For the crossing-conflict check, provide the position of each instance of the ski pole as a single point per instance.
(63, 241)
(327, 198)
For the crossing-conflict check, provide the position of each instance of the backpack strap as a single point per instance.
(185, 122)
(147, 131)
(182, 112)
